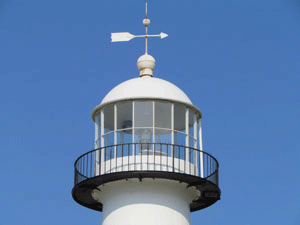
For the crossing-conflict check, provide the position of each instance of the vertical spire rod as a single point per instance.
(146, 9)
(146, 25)
(146, 50)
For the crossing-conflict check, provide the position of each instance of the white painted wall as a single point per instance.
(150, 202)
(150, 162)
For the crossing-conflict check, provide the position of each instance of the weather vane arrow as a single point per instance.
(126, 36)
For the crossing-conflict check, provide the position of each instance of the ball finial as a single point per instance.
(146, 22)
(146, 64)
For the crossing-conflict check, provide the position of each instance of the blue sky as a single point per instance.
(237, 60)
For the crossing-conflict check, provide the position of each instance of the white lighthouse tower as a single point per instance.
(148, 166)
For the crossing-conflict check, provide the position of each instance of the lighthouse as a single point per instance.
(148, 165)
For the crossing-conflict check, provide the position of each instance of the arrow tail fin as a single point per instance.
(122, 36)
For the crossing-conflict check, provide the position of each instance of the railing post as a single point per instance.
(187, 138)
(160, 156)
(122, 165)
(173, 159)
(110, 159)
(140, 147)
(100, 153)
(104, 160)
(154, 157)
(91, 164)
(133, 146)
(148, 156)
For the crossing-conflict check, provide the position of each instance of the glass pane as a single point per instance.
(143, 113)
(123, 151)
(124, 115)
(192, 156)
(108, 119)
(163, 115)
(179, 152)
(162, 137)
(109, 139)
(198, 138)
(192, 142)
(124, 137)
(109, 153)
(143, 138)
(179, 138)
(179, 117)
(143, 135)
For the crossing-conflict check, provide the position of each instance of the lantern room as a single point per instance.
(146, 127)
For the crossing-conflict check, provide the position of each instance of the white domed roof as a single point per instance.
(146, 88)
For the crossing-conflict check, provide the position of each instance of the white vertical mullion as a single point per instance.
(187, 137)
(96, 145)
(172, 137)
(172, 128)
(115, 124)
(133, 127)
(187, 130)
(201, 148)
(195, 132)
(102, 128)
(200, 135)
(195, 144)
(102, 142)
(115, 133)
(172, 123)
(153, 124)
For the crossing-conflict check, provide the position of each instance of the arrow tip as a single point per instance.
(163, 35)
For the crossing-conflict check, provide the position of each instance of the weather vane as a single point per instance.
(125, 36)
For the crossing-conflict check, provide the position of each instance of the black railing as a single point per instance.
(146, 157)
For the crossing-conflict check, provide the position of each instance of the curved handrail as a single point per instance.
(132, 157)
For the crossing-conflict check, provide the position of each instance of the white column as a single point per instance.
(102, 161)
(115, 134)
(195, 145)
(201, 148)
(172, 128)
(153, 124)
(96, 145)
(187, 140)
(133, 158)
(133, 127)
